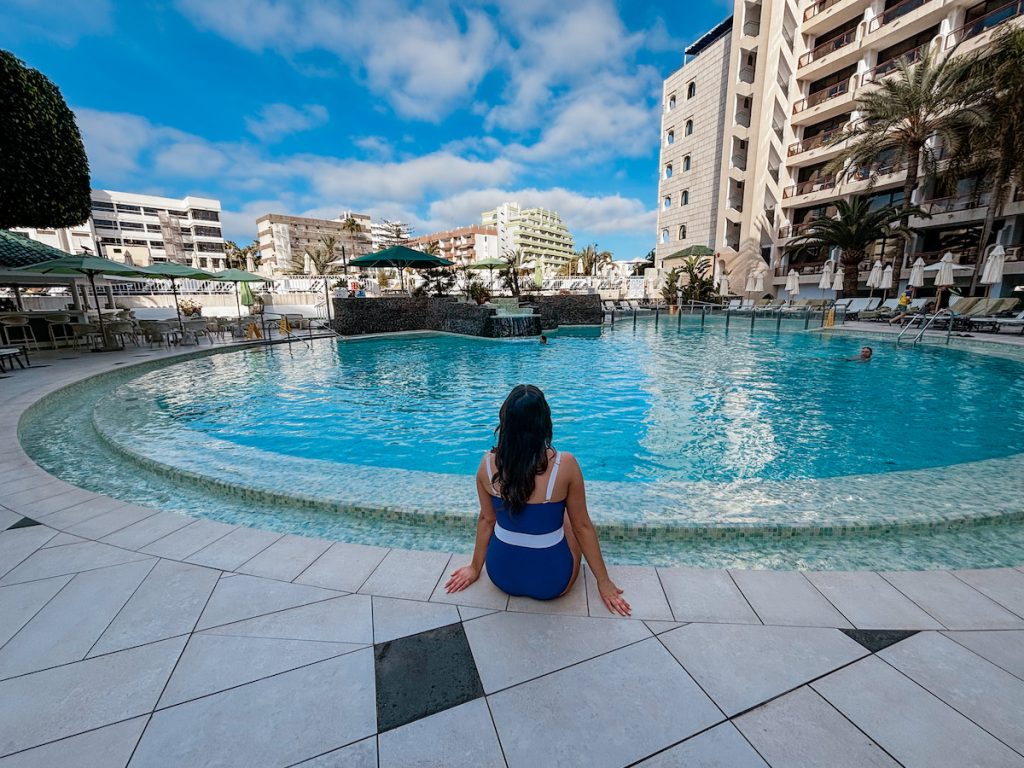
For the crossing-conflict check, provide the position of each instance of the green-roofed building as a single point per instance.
(18, 250)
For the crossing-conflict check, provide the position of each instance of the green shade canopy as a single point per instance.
(247, 298)
(83, 265)
(239, 276)
(491, 263)
(693, 250)
(174, 271)
(18, 250)
(399, 256)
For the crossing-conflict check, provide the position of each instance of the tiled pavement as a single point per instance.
(142, 638)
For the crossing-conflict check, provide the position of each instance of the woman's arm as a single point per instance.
(583, 527)
(467, 574)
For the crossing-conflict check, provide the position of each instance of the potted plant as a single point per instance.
(190, 308)
(478, 292)
(670, 290)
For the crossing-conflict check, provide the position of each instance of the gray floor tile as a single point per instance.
(909, 723)
(721, 747)
(802, 730)
(657, 627)
(108, 747)
(340, 620)
(394, 618)
(344, 567)
(362, 754)
(328, 705)
(233, 550)
(80, 514)
(741, 666)
(188, 540)
(786, 598)
(460, 737)
(63, 701)
(17, 545)
(214, 663)
(242, 597)
(21, 602)
(1004, 585)
(167, 603)
(572, 604)
(991, 697)
(1004, 648)
(642, 590)
(8, 518)
(111, 522)
(69, 559)
(480, 594)
(66, 628)
(467, 612)
(870, 602)
(705, 594)
(41, 506)
(63, 538)
(411, 574)
(510, 648)
(149, 530)
(286, 558)
(550, 721)
(951, 601)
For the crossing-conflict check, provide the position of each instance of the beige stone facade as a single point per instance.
(463, 245)
(283, 240)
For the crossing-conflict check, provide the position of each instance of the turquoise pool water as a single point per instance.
(656, 404)
(827, 463)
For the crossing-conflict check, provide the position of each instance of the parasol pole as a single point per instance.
(238, 303)
(174, 290)
(99, 312)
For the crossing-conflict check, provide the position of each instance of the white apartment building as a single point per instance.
(73, 240)
(146, 229)
(283, 239)
(539, 233)
(463, 245)
(795, 71)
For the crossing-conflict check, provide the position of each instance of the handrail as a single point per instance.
(887, 67)
(818, 7)
(841, 40)
(894, 12)
(820, 97)
(984, 23)
(925, 326)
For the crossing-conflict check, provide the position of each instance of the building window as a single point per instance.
(691, 90)
(668, 171)
(689, 128)
(672, 102)
(101, 206)
(664, 236)
(670, 137)
(684, 199)
(128, 208)
(667, 202)
(682, 231)
(686, 163)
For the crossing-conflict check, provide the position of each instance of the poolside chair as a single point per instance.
(121, 330)
(1010, 322)
(87, 333)
(17, 331)
(59, 329)
(734, 304)
(12, 355)
(198, 328)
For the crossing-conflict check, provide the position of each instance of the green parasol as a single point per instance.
(237, 276)
(400, 257)
(172, 272)
(490, 264)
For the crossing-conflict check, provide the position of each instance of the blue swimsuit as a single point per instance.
(528, 554)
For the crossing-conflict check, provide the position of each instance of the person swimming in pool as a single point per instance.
(863, 357)
(534, 525)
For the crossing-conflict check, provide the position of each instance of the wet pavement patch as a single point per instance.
(422, 674)
(877, 639)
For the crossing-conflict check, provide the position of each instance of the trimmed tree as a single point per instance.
(44, 172)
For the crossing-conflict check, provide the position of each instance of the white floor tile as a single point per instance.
(786, 598)
(641, 589)
(460, 737)
(952, 602)
(870, 602)
(705, 594)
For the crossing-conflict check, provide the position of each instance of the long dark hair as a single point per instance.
(524, 437)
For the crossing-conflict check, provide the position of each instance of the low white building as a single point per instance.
(463, 245)
(73, 240)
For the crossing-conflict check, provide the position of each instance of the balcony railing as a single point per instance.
(824, 49)
(817, 8)
(739, 161)
(889, 66)
(818, 140)
(985, 23)
(815, 268)
(752, 28)
(807, 187)
(956, 203)
(963, 255)
(897, 11)
(820, 97)
(864, 173)
(747, 74)
(794, 230)
(743, 118)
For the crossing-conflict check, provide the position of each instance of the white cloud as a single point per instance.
(63, 22)
(275, 121)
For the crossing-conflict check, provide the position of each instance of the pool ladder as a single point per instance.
(932, 319)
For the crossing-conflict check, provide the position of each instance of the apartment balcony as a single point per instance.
(825, 103)
(743, 119)
(840, 51)
(736, 203)
(747, 74)
(739, 161)
(906, 18)
(793, 230)
(810, 272)
(811, 189)
(861, 180)
(889, 66)
(823, 146)
(951, 211)
(827, 14)
(976, 35)
(752, 28)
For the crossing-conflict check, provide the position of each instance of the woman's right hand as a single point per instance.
(610, 594)
(462, 578)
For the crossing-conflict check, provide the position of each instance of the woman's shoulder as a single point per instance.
(567, 459)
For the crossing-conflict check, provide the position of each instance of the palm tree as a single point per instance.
(903, 116)
(854, 230)
(356, 237)
(330, 244)
(592, 258)
(433, 248)
(237, 257)
(320, 259)
(995, 149)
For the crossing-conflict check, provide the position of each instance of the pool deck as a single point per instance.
(135, 637)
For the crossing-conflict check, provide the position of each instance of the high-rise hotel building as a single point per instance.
(748, 122)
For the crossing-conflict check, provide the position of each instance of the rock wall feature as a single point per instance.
(568, 310)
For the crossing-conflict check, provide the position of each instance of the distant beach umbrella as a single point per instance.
(944, 274)
(793, 283)
(723, 285)
(827, 273)
(751, 284)
(993, 272)
(759, 281)
(837, 282)
(917, 274)
(885, 281)
(875, 276)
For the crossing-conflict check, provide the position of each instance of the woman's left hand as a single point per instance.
(462, 578)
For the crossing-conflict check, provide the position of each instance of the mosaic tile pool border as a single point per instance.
(965, 493)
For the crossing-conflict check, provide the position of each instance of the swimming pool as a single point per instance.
(699, 446)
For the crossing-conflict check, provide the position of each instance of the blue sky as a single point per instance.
(430, 112)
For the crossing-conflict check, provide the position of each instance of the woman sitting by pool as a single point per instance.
(533, 523)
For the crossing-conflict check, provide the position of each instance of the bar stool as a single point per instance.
(59, 327)
(18, 331)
